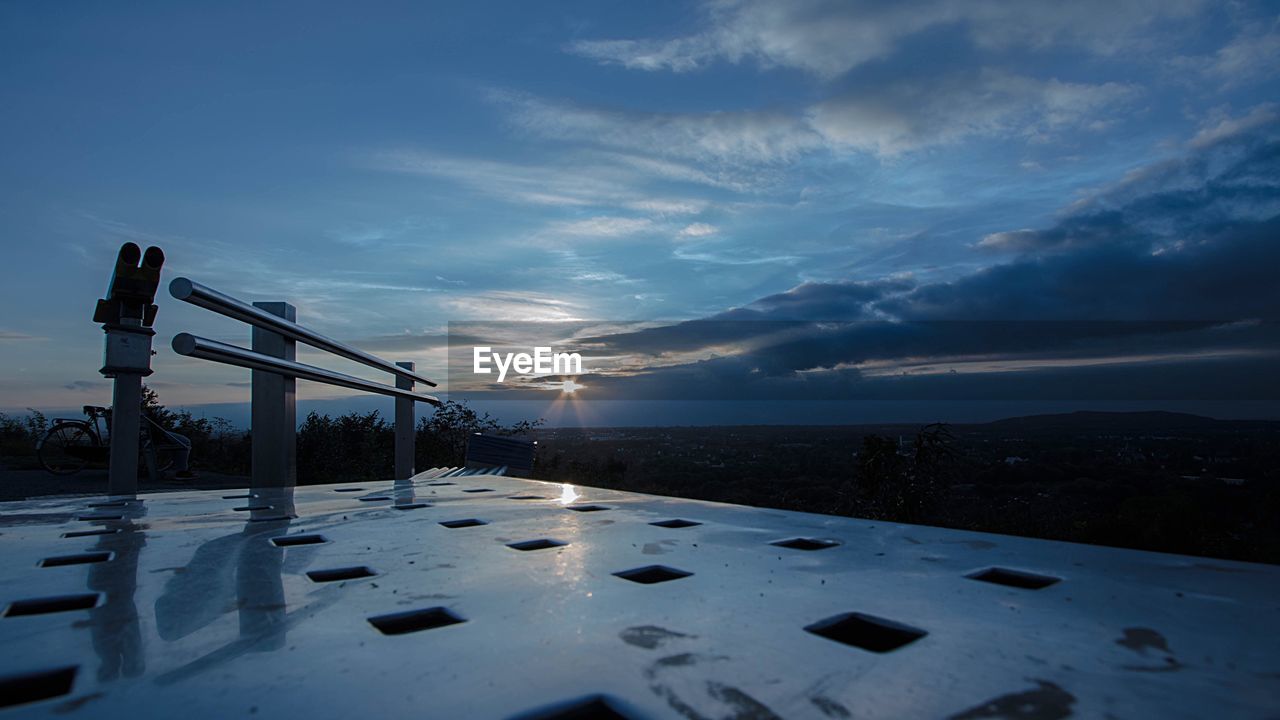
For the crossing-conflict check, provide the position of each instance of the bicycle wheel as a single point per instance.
(65, 449)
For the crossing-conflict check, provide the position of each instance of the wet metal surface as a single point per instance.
(507, 603)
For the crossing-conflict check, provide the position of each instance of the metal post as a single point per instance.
(126, 418)
(404, 427)
(274, 414)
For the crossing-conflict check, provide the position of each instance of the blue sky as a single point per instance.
(392, 167)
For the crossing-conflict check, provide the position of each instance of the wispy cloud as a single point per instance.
(828, 38)
(698, 230)
(598, 227)
(1252, 54)
(914, 113)
(730, 149)
(709, 139)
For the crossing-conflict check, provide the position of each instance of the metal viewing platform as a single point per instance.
(461, 595)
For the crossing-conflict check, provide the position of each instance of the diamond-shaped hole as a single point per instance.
(651, 574)
(468, 522)
(295, 540)
(89, 533)
(245, 496)
(29, 687)
(676, 523)
(588, 508)
(348, 489)
(1014, 578)
(92, 518)
(415, 620)
(527, 497)
(335, 574)
(251, 508)
(410, 506)
(374, 498)
(477, 490)
(77, 559)
(804, 543)
(591, 707)
(868, 632)
(52, 604)
(539, 544)
(441, 484)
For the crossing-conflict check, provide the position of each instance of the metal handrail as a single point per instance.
(205, 349)
(274, 403)
(193, 292)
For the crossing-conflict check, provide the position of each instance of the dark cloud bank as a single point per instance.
(1163, 288)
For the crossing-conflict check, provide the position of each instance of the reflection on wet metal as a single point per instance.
(114, 624)
(318, 607)
(568, 494)
(90, 533)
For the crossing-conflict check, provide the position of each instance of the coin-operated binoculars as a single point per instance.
(127, 314)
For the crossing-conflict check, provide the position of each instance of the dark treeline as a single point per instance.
(359, 446)
(1211, 491)
(350, 447)
(1210, 488)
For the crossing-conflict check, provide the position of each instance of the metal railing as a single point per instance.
(276, 370)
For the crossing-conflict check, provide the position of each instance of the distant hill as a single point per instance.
(1087, 421)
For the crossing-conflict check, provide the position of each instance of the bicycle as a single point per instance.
(71, 444)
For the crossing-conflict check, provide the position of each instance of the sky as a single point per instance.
(732, 201)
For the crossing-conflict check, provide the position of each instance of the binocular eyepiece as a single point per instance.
(132, 292)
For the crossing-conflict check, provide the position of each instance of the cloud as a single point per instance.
(707, 138)
(9, 335)
(1227, 127)
(698, 230)
(828, 38)
(599, 227)
(1146, 283)
(911, 113)
(514, 305)
(1250, 55)
(729, 149)
(726, 254)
